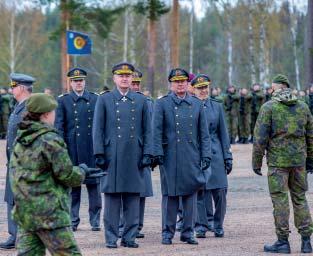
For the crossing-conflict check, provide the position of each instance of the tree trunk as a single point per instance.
(175, 34)
(262, 57)
(293, 28)
(125, 34)
(65, 62)
(132, 39)
(105, 62)
(229, 50)
(151, 54)
(12, 38)
(309, 50)
(251, 44)
(166, 44)
(191, 42)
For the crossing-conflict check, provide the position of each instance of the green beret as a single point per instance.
(41, 103)
(281, 79)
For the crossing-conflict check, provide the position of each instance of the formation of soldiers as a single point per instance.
(242, 108)
(124, 135)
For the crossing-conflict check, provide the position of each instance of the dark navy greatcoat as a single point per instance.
(15, 118)
(122, 133)
(219, 143)
(181, 135)
(74, 117)
(148, 189)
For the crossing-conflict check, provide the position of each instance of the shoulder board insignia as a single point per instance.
(62, 95)
(94, 93)
(140, 93)
(103, 92)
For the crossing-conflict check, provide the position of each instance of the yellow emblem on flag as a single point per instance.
(79, 42)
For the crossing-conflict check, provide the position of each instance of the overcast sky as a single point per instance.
(200, 8)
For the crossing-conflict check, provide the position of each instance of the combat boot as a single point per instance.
(232, 141)
(306, 246)
(280, 246)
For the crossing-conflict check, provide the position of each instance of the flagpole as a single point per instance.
(67, 62)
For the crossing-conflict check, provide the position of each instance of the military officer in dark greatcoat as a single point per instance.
(74, 118)
(182, 150)
(122, 145)
(22, 86)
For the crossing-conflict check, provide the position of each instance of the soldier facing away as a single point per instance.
(231, 102)
(41, 176)
(284, 129)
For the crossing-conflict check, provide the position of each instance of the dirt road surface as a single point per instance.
(248, 223)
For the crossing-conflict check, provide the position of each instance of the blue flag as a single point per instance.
(78, 43)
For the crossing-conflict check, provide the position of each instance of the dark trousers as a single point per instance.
(142, 204)
(94, 198)
(205, 213)
(113, 203)
(170, 206)
(12, 226)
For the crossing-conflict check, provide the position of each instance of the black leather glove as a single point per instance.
(146, 161)
(205, 163)
(257, 171)
(309, 166)
(228, 165)
(101, 162)
(92, 172)
(157, 160)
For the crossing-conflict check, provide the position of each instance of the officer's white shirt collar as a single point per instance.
(79, 94)
(123, 94)
(181, 98)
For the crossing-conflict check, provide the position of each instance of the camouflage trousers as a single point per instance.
(59, 242)
(294, 180)
(232, 125)
(244, 125)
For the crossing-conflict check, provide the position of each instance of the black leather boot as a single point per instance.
(306, 246)
(280, 246)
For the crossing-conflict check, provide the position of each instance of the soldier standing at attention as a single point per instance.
(256, 103)
(284, 129)
(231, 102)
(22, 86)
(123, 145)
(41, 176)
(147, 190)
(244, 116)
(182, 149)
(74, 117)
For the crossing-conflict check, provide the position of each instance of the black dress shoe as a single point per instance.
(129, 244)
(8, 244)
(280, 246)
(166, 241)
(140, 235)
(74, 228)
(111, 245)
(189, 240)
(219, 233)
(306, 246)
(95, 229)
(211, 227)
(200, 234)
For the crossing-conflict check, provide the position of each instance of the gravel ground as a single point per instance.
(248, 222)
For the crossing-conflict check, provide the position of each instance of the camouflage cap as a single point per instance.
(281, 79)
(41, 103)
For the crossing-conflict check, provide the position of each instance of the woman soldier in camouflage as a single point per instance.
(41, 177)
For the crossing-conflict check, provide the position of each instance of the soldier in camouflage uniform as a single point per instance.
(41, 177)
(268, 94)
(231, 102)
(309, 99)
(244, 116)
(5, 111)
(256, 103)
(284, 129)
